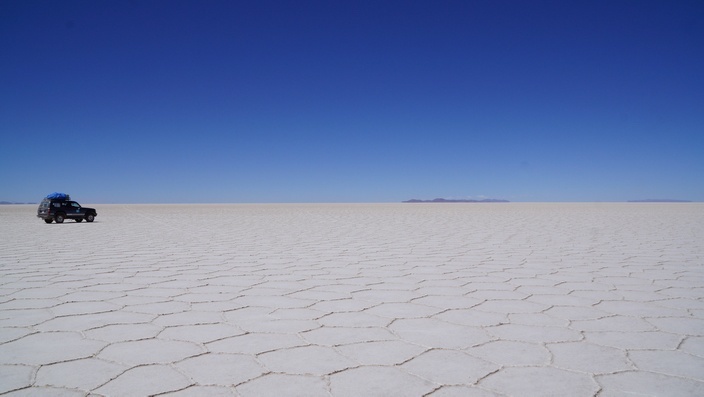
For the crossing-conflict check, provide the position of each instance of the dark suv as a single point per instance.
(60, 209)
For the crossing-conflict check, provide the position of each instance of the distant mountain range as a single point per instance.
(12, 202)
(442, 200)
(659, 201)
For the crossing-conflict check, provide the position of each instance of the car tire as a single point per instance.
(59, 218)
(90, 218)
(48, 220)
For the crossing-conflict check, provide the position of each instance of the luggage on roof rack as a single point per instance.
(58, 196)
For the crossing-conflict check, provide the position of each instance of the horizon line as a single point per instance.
(449, 202)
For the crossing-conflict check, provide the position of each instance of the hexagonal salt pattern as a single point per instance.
(355, 300)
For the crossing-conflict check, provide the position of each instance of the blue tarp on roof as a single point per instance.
(59, 196)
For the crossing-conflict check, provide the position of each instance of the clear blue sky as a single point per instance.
(351, 101)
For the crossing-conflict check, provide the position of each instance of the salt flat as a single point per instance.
(511, 299)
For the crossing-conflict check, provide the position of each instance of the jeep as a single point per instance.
(52, 209)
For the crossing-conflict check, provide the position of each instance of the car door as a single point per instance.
(73, 210)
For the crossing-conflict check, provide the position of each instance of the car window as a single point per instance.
(57, 205)
(75, 205)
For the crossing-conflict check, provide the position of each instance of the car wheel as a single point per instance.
(48, 220)
(79, 219)
(59, 218)
(90, 218)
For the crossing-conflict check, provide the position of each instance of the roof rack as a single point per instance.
(58, 196)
